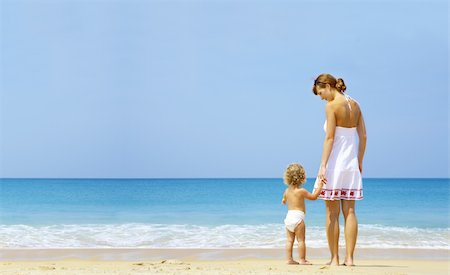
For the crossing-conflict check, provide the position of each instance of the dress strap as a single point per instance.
(347, 97)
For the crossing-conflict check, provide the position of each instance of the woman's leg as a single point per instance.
(351, 230)
(332, 227)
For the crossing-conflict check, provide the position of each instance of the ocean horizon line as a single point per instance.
(205, 178)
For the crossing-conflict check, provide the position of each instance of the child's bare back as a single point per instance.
(295, 198)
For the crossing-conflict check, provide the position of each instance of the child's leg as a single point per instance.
(289, 244)
(300, 231)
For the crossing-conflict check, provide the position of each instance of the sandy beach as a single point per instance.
(247, 266)
(211, 261)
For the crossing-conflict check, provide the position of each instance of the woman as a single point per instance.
(341, 163)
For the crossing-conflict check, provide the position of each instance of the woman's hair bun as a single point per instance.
(340, 85)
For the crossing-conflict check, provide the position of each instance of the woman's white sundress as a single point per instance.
(344, 180)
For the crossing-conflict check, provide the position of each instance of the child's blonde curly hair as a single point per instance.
(294, 174)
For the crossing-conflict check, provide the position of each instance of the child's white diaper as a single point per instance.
(293, 218)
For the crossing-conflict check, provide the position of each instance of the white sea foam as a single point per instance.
(221, 236)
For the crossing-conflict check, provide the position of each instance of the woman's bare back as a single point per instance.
(347, 113)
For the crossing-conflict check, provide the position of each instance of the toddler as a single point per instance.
(294, 195)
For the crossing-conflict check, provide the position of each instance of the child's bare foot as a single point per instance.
(291, 262)
(305, 262)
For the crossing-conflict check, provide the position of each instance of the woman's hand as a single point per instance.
(322, 172)
(360, 168)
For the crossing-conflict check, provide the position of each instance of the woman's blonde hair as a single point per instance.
(324, 79)
(294, 174)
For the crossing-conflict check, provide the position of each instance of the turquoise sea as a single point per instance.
(209, 213)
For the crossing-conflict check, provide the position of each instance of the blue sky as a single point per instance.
(136, 89)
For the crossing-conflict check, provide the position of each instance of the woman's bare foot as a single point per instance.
(292, 262)
(348, 263)
(305, 262)
(333, 262)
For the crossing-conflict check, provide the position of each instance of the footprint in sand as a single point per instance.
(47, 268)
(173, 262)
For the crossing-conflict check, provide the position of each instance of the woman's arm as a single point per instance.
(361, 128)
(329, 139)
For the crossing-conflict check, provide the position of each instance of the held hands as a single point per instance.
(321, 176)
(322, 171)
(321, 183)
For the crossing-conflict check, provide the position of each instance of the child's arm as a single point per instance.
(283, 200)
(315, 195)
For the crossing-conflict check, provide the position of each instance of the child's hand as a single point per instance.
(322, 182)
(283, 201)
